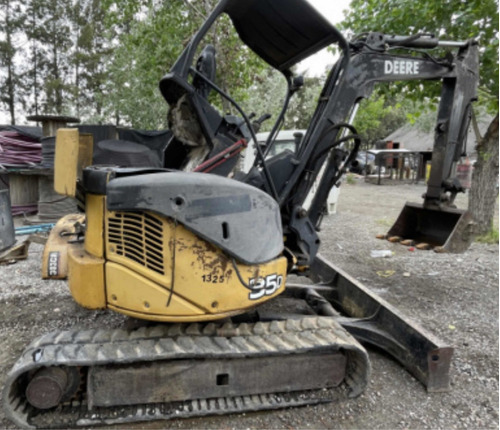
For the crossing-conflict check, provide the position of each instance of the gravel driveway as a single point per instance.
(453, 296)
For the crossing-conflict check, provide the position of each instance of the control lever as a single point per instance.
(256, 124)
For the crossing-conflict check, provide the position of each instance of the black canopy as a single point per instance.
(282, 32)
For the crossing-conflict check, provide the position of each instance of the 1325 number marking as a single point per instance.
(212, 279)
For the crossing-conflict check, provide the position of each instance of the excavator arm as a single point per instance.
(365, 63)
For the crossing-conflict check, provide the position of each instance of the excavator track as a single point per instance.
(98, 353)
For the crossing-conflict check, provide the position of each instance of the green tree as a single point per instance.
(11, 19)
(50, 35)
(304, 103)
(266, 95)
(150, 39)
(378, 117)
(455, 20)
(32, 75)
(90, 58)
(151, 35)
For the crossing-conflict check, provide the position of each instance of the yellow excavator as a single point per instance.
(179, 236)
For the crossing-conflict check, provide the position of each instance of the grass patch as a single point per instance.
(384, 222)
(350, 179)
(490, 238)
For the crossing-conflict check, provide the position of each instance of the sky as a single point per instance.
(332, 10)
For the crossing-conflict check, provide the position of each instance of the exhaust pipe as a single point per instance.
(445, 230)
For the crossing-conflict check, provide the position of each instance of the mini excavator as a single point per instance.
(183, 239)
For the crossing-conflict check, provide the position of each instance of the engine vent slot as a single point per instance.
(138, 237)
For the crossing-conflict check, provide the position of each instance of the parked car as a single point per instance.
(286, 140)
(364, 163)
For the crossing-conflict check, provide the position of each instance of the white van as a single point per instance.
(287, 140)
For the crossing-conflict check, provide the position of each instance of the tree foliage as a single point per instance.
(152, 35)
(102, 60)
(304, 103)
(53, 31)
(378, 117)
(267, 95)
(90, 57)
(11, 20)
(147, 46)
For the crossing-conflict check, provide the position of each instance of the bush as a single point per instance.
(350, 180)
(490, 238)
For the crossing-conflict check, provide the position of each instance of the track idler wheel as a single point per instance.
(52, 385)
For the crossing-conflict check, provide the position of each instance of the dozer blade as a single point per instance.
(446, 229)
(375, 322)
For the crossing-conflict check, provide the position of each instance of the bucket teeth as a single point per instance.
(423, 246)
(381, 236)
(394, 239)
(408, 242)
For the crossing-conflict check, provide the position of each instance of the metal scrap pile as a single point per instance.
(17, 150)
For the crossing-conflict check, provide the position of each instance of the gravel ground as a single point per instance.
(453, 296)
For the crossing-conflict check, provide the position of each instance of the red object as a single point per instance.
(411, 248)
(221, 157)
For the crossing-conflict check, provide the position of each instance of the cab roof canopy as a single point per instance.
(281, 32)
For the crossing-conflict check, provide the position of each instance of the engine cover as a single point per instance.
(238, 218)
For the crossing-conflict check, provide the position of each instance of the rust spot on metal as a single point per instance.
(209, 258)
(180, 245)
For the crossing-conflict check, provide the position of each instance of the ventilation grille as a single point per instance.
(138, 237)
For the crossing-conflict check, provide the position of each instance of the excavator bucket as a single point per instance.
(446, 230)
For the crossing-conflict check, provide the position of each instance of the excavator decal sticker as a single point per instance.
(54, 263)
(212, 279)
(267, 286)
(401, 67)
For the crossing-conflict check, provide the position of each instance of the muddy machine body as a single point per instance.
(197, 247)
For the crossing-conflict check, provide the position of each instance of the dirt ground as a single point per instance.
(454, 297)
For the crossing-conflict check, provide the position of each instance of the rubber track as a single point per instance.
(163, 342)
